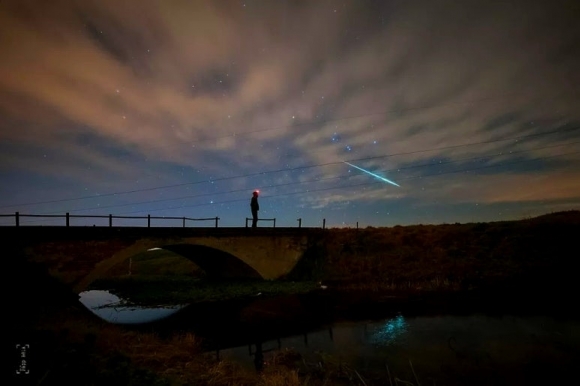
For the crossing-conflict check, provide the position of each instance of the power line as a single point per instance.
(346, 186)
(363, 184)
(322, 179)
(289, 169)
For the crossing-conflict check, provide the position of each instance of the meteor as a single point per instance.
(373, 174)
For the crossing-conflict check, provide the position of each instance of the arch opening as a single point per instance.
(216, 263)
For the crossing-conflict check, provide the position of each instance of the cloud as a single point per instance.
(365, 193)
(497, 188)
(232, 89)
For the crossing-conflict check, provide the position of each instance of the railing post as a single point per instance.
(323, 223)
(184, 221)
(299, 222)
(216, 221)
(17, 217)
(110, 220)
(274, 223)
(357, 225)
(67, 219)
(148, 221)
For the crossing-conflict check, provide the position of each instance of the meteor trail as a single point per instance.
(373, 174)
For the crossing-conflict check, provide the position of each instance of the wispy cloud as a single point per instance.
(230, 88)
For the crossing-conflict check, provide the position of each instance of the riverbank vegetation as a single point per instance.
(537, 252)
(161, 289)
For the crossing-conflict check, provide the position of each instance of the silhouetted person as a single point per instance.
(255, 208)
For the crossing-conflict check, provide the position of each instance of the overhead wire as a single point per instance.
(368, 183)
(338, 187)
(519, 137)
(316, 180)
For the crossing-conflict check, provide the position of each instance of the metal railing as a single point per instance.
(67, 216)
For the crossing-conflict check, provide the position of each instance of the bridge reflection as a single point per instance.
(256, 350)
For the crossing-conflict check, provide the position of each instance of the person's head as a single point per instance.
(256, 193)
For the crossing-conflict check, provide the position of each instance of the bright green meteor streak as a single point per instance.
(373, 174)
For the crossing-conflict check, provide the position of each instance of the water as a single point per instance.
(113, 309)
(476, 348)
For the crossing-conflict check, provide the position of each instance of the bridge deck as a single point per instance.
(11, 233)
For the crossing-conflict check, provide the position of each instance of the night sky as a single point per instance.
(183, 108)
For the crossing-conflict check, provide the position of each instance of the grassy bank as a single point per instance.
(538, 253)
(163, 289)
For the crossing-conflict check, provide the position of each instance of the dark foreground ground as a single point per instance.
(516, 267)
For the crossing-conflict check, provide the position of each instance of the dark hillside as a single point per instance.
(537, 253)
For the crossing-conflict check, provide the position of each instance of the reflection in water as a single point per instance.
(443, 349)
(258, 357)
(446, 348)
(388, 333)
(113, 309)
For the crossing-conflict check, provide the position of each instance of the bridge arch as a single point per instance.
(262, 256)
(214, 262)
(80, 255)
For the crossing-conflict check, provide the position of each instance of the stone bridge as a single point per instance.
(79, 255)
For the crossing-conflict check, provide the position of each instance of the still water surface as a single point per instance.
(111, 308)
(443, 349)
(439, 347)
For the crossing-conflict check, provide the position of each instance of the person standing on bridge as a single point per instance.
(255, 208)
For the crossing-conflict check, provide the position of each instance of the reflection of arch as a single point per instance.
(214, 262)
